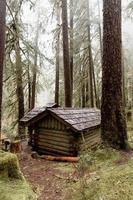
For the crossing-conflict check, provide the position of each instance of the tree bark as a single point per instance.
(66, 58)
(19, 89)
(91, 66)
(34, 82)
(19, 79)
(84, 92)
(57, 58)
(83, 95)
(2, 51)
(29, 88)
(87, 88)
(95, 89)
(123, 80)
(71, 45)
(113, 124)
(33, 88)
(100, 31)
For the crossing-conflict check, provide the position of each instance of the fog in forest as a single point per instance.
(46, 8)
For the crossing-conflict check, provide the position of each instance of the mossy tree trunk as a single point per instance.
(113, 119)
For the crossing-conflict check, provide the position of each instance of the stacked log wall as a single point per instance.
(53, 138)
(89, 139)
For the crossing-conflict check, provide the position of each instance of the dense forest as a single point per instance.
(66, 67)
(42, 43)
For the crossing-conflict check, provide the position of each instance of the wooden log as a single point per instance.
(60, 158)
(54, 138)
(46, 134)
(42, 149)
(87, 140)
(53, 146)
(43, 131)
(47, 152)
(56, 143)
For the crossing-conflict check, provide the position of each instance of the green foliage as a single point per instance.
(109, 177)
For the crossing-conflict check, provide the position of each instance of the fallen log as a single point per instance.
(60, 158)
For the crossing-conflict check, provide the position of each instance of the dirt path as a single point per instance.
(48, 178)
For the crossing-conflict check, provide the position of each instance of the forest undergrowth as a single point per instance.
(105, 174)
(13, 185)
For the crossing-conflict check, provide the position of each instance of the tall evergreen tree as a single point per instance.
(2, 49)
(112, 110)
(57, 77)
(34, 79)
(66, 57)
(71, 43)
(91, 66)
(19, 79)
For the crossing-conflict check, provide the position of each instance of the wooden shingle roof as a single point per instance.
(79, 119)
(36, 114)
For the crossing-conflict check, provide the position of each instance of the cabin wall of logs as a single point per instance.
(89, 139)
(52, 137)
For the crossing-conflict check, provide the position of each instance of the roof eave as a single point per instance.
(33, 120)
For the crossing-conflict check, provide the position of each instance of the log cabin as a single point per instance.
(60, 131)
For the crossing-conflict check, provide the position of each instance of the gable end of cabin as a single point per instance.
(53, 137)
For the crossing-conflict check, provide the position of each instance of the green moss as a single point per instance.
(106, 179)
(15, 190)
(65, 167)
(9, 167)
(13, 185)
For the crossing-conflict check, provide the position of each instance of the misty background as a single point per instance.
(46, 94)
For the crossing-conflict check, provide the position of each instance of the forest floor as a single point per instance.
(109, 172)
(47, 178)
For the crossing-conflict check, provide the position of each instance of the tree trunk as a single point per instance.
(34, 82)
(90, 57)
(2, 50)
(87, 88)
(101, 47)
(57, 58)
(100, 31)
(66, 59)
(71, 45)
(113, 122)
(83, 89)
(123, 80)
(19, 90)
(33, 88)
(95, 89)
(29, 89)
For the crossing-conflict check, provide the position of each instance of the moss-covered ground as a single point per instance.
(15, 190)
(13, 185)
(105, 174)
(108, 177)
